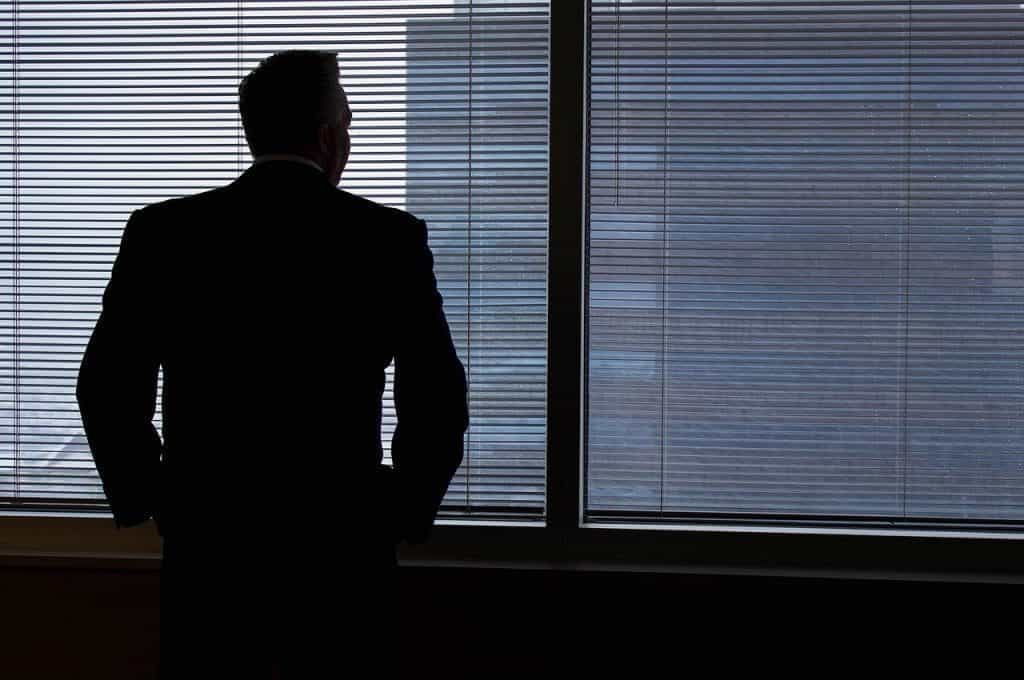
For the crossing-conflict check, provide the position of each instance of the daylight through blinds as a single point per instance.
(806, 260)
(108, 106)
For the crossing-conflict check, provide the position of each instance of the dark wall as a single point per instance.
(60, 622)
(78, 622)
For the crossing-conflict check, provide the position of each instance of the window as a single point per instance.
(781, 282)
(806, 290)
(108, 106)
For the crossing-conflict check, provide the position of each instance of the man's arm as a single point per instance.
(430, 395)
(117, 385)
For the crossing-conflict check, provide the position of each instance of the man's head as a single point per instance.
(293, 103)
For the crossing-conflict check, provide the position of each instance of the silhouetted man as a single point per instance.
(273, 306)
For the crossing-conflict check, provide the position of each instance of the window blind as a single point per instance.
(805, 261)
(108, 106)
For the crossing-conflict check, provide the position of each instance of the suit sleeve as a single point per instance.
(117, 384)
(430, 395)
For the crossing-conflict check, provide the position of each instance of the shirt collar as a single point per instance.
(295, 158)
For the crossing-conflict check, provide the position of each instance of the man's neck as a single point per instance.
(295, 158)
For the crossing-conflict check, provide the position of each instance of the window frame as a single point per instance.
(565, 540)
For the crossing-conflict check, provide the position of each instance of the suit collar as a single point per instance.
(294, 158)
(280, 171)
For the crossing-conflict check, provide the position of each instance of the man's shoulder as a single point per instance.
(380, 215)
(203, 200)
(392, 223)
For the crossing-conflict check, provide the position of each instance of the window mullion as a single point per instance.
(565, 262)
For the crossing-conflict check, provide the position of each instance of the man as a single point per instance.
(273, 306)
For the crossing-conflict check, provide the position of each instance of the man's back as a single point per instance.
(278, 309)
(274, 306)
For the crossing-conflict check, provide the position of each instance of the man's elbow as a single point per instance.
(462, 411)
(435, 399)
(448, 413)
(83, 390)
(460, 400)
(92, 396)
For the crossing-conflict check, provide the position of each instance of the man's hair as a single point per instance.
(285, 99)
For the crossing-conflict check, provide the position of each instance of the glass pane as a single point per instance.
(124, 105)
(805, 261)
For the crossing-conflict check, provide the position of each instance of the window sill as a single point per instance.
(94, 542)
(75, 540)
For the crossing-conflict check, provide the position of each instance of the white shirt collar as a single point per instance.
(295, 158)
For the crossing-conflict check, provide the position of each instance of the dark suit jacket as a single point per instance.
(273, 306)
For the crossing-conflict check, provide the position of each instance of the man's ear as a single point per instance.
(325, 141)
(345, 140)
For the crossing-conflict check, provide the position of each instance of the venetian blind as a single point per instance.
(806, 273)
(108, 106)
